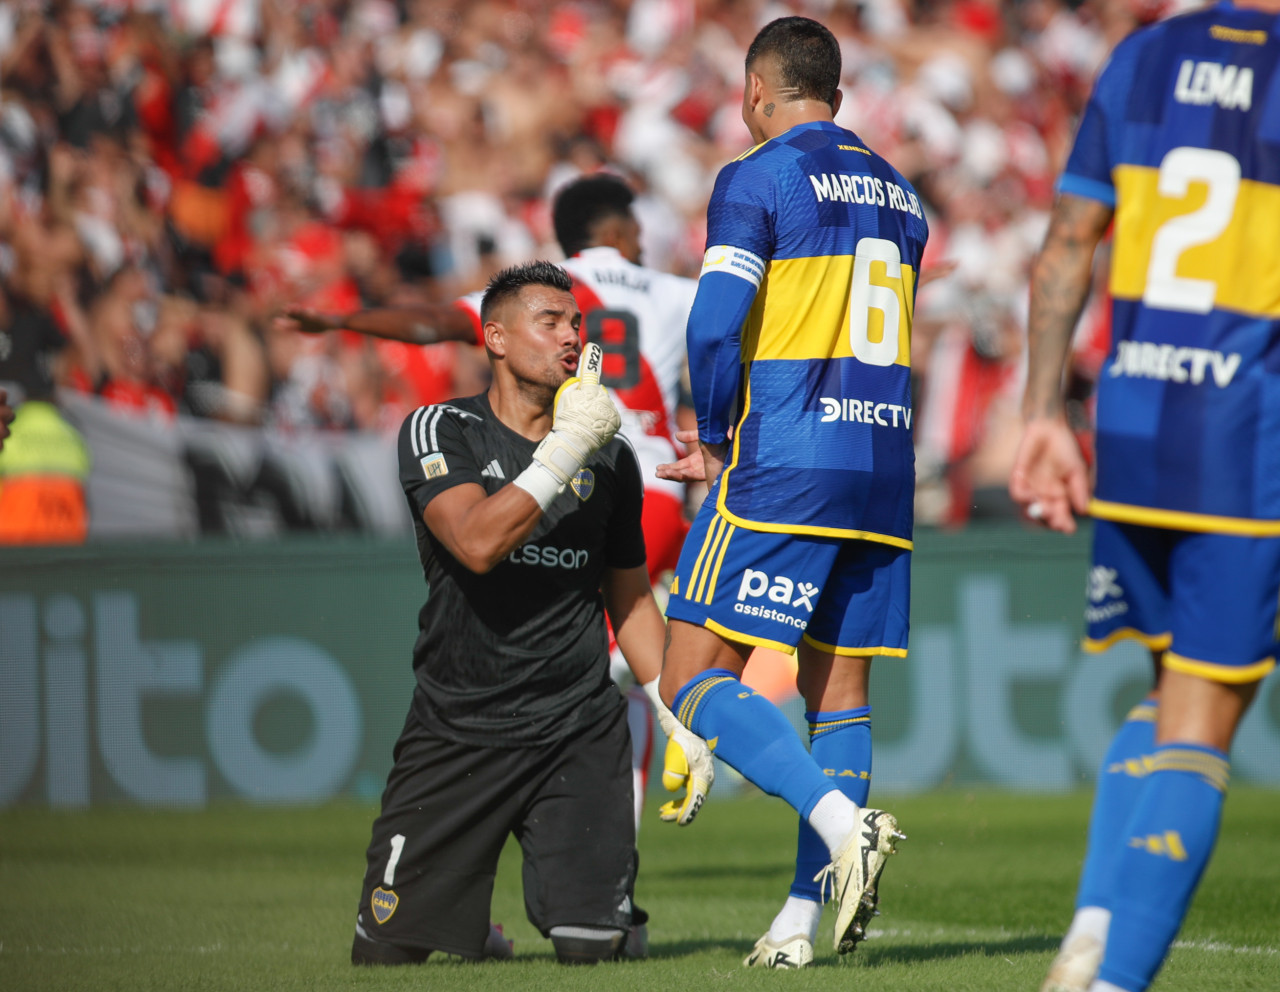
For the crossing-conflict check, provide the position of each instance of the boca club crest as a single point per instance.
(383, 902)
(584, 484)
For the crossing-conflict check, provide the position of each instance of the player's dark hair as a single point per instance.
(508, 283)
(807, 55)
(585, 202)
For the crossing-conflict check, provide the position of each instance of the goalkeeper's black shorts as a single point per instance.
(447, 811)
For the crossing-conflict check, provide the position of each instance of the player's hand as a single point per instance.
(686, 764)
(938, 271)
(306, 320)
(1049, 478)
(693, 466)
(584, 419)
(690, 467)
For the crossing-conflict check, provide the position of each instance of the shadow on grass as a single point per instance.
(875, 957)
(668, 949)
(868, 955)
(765, 870)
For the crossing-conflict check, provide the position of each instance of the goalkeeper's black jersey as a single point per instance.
(518, 655)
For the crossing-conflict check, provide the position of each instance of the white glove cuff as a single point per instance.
(666, 718)
(539, 483)
(559, 455)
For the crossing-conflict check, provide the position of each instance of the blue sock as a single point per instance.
(751, 734)
(1167, 844)
(1120, 781)
(840, 742)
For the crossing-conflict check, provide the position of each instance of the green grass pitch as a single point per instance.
(237, 898)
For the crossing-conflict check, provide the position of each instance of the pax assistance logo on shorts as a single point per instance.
(434, 466)
(1103, 587)
(778, 589)
(383, 902)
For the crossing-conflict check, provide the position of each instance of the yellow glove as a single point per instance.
(584, 419)
(686, 764)
(676, 775)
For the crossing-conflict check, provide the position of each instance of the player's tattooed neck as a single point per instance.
(768, 109)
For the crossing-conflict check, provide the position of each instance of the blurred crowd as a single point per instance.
(175, 172)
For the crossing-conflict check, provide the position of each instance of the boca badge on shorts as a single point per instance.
(383, 902)
(584, 483)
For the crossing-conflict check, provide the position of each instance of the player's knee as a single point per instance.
(587, 945)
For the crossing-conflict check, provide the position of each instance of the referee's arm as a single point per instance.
(480, 530)
(637, 623)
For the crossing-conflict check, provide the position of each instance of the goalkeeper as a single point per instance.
(527, 516)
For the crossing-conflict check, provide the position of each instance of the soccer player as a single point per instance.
(1180, 146)
(799, 341)
(527, 515)
(637, 315)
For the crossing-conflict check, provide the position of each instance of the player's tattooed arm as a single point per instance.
(1060, 281)
(1049, 477)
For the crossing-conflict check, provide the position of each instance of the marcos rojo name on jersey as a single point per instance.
(847, 187)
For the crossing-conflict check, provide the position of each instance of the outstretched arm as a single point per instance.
(423, 324)
(1049, 475)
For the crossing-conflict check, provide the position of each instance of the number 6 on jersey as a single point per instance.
(867, 295)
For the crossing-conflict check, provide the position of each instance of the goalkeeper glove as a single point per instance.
(584, 420)
(686, 764)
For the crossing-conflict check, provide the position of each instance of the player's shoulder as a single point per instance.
(600, 269)
(1203, 26)
(621, 459)
(469, 303)
(421, 429)
(757, 164)
(604, 267)
(619, 454)
(787, 158)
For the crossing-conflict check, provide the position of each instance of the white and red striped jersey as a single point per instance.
(638, 318)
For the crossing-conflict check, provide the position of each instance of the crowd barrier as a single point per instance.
(179, 673)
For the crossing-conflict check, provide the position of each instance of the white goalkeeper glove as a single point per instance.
(686, 764)
(584, 420)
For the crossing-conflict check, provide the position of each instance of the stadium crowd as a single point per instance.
(172, 175)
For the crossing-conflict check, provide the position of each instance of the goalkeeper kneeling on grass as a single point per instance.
(527, 516)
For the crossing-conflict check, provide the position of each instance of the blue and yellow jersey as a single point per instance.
(800, 337)
(1182, 137)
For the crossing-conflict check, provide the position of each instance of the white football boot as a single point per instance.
(854, 872)
(1076, 965)
(794, 952)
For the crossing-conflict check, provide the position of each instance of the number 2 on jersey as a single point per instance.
(1180, 168)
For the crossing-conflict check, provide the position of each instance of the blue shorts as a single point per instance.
(1209, 601)
(847, 597)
